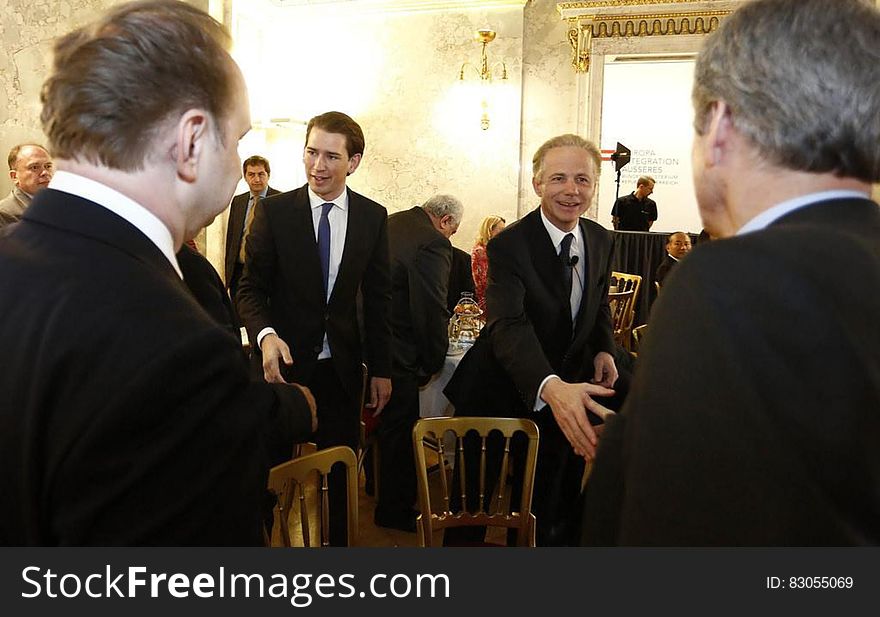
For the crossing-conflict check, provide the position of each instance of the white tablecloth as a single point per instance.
(432, 402)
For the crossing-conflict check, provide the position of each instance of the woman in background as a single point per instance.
(489, 228)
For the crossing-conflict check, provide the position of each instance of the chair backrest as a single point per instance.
(306, 478)
(429, 433)
(626, 282)
(621, 303)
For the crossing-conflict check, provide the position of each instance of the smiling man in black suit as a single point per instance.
(311, 252)
(549, 330)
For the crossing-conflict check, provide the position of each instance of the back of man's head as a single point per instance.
(444, 205)
(800, 80)
(116, 81)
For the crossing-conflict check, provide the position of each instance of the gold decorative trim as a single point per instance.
(584, 29)
(659, 24)
(601, 4)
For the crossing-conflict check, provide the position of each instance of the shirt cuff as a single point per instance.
(539, 402)
(263, 334)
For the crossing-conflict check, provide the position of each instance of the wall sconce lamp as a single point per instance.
(484, 72)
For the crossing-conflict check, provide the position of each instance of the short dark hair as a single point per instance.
(114, 82)
(253, 161)
(12, 159)
(338, 122)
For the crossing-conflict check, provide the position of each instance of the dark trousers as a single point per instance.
(338, 425)
(457, 536)
(234, 280)
(556, 500)
(397, 475)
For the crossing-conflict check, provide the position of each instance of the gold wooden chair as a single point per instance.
(639, 337)
(621, 304)
(305, 479)
(428, 436)
(627, 282)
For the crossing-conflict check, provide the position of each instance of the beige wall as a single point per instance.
(395, 71)
(27, 28)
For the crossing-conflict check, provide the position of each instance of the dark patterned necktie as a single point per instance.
(565, 258)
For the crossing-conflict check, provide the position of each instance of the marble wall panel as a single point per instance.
(27, 30)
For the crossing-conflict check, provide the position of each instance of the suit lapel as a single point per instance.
(307, 249)
(545, 258)
(352, 236)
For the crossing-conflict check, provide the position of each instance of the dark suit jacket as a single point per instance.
(529, 335)
(664, 268)
(235, 230)
(203, 281)
(126, 412)
(460, 277)
(282, 287)
(754, 418)
(420, 266)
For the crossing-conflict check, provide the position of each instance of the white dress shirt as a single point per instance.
(338, 217)
(145, 221)
(779, 210)
(577, 280)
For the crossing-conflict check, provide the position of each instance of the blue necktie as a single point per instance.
(324, 244)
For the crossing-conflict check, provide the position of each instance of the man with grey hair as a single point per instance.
(30, 169)
(635, 212)
(547, 347)
(421, 257)
(755, 416)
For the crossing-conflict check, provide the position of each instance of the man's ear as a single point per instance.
(719, 133)
(13, 175)
(536, 184)
(189, 144)
(353, 163)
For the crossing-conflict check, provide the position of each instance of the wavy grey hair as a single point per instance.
(800, 79)
(441, 205)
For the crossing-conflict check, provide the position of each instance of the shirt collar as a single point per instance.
(144, 220)
(556, 234)
(776, 212)
(316, 201)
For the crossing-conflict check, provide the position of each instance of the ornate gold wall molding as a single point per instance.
(593, 4)
(597, 19)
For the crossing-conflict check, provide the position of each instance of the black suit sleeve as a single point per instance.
(428, 280)
(187, 431)
(259, 274)
(376, 291)
(514, 341)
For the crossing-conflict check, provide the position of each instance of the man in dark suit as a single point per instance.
(549, 331)
(311, 252)
(461, 278)
(421, 255)
(128, 417)
(754, 418)
(256, 171)
(677, 246)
